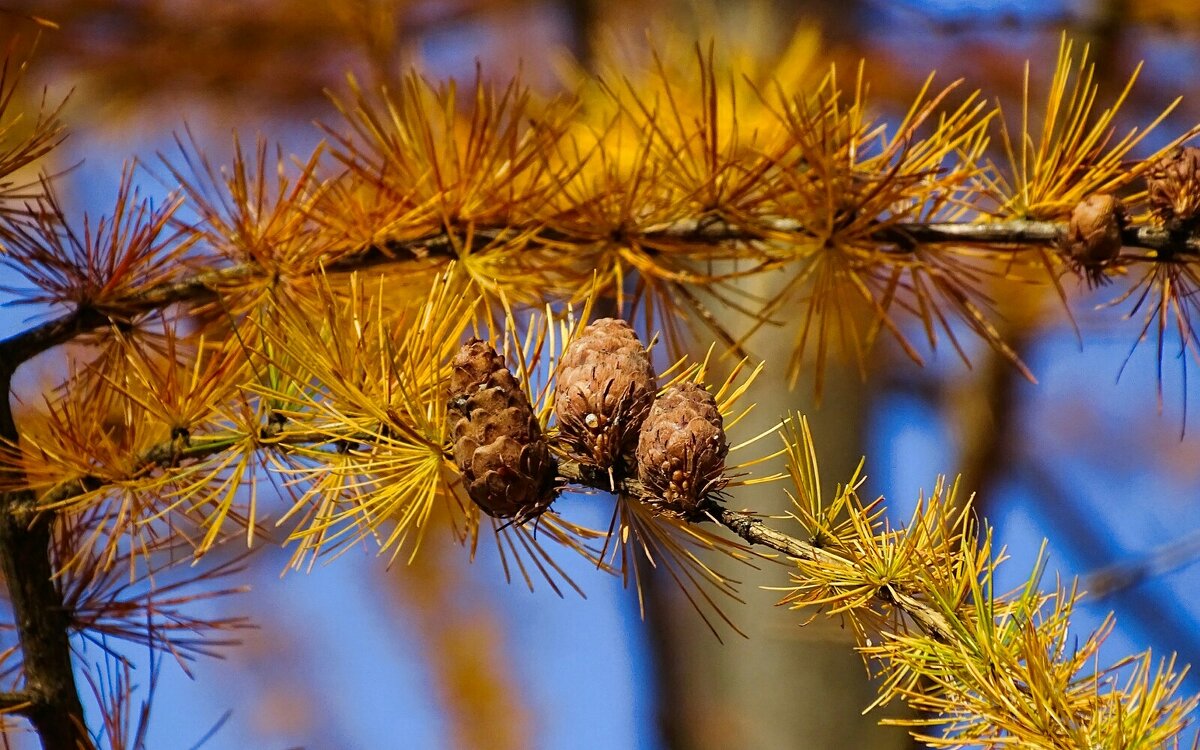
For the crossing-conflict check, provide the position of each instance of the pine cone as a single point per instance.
(1173, 189)
(1094, 234)
(604, 389)
(498, 443)
(681, 450)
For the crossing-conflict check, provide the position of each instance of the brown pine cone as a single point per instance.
(498, 443)
(603, 391)
(681, 450)
(1173, 189)
(1094, 235)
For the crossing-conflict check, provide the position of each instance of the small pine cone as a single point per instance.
(682, 448)
(1173, 188)
(498, 443)
(604, 389)
(1094, 234)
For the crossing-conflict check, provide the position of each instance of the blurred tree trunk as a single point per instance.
(783, 685)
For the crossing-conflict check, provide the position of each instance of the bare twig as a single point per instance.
(1164, 558)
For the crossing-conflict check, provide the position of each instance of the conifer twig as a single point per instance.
(16, 701)
(755, 531)
(170, 453)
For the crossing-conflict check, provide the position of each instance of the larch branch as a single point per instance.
(902, 237)
(745, 525)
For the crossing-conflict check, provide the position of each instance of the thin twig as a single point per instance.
(170, 453)
(756, 531)
(1164, 558)
(16, 701)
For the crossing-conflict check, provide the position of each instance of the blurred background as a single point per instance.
(442, 653)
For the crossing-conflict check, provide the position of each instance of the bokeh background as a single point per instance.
(443, 653)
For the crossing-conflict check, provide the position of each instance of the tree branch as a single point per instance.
(41, 619)
(745, 525)
(754, 530)
(903, 238)
(170, 453)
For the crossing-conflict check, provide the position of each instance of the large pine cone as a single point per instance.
(682, 448)
(498, 443)
(604, 389)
